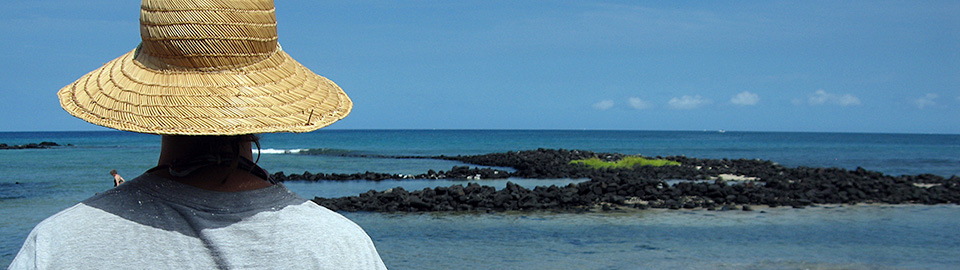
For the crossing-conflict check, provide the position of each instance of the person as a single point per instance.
(117, 179)
(207, 77)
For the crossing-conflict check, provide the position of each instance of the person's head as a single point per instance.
(113, 172)
(204, 145)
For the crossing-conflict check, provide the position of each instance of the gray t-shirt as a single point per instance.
(155, 223)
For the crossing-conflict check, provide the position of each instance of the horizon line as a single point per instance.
(720, 131)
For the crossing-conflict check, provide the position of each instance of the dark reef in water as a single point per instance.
(41, 145)
(758, 182)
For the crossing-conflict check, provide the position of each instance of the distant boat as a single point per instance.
(722, 131)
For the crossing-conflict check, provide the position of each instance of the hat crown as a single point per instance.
(206, 67)
(206, 35)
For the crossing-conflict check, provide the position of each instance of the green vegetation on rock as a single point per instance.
(624, 163)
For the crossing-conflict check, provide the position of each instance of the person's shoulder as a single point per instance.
(51, 229)
(78, 215)
(86, 213)
(316, 211)
(326, 230)
(310, 216)
(110, 196)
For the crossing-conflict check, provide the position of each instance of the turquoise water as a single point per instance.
(36, 183)
(850, 237)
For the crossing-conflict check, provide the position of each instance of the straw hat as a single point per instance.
(206, 67)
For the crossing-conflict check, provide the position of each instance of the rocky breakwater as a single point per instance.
(457, 172)
(541, 163)
(41, 145)
(696, 183)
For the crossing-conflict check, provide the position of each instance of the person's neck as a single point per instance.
(215, 178)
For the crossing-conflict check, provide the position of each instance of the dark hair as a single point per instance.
(217, 144)
(113, 172)
(220, 145)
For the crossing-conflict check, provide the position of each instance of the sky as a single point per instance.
(804, 66)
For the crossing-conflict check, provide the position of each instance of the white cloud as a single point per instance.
(821, 97)
(745, 98)
(926, 100)
(639, 104)
(688, 102)
(603, 105)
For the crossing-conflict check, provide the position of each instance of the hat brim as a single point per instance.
(277, 94)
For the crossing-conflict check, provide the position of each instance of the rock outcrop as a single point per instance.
(703, 185)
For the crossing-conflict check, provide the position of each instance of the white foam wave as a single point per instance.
(278, 151)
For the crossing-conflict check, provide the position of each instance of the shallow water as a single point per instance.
(36, 183)
(849, 237)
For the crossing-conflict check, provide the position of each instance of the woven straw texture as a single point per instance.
(206, 68)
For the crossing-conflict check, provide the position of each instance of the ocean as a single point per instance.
(36, 183)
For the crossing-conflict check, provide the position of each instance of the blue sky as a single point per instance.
(836, 66)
